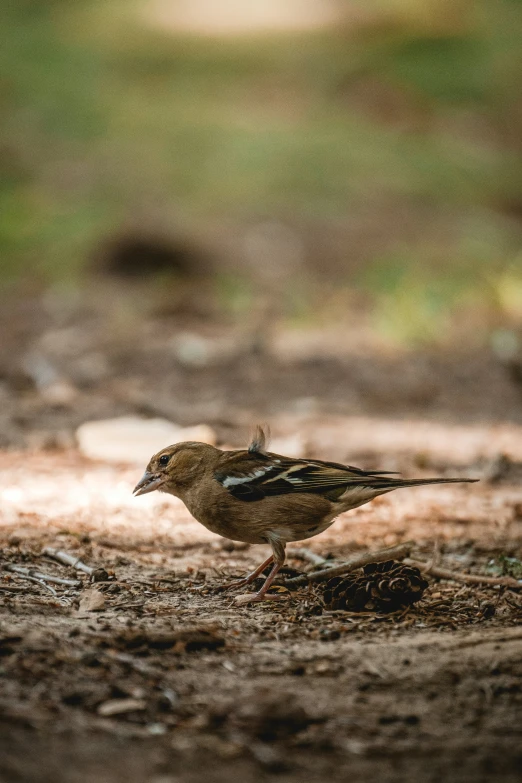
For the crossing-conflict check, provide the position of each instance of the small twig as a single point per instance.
(458, 576)
(43, 577)
(393, 552)
(67, 559)
(132, 661)
(13, 589)
(123, 605)
(306, 554)
(515, 604)
(39, 582)
(435, 556)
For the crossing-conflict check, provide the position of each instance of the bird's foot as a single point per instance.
(254, 598)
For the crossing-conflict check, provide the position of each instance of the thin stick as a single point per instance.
(58, 580)
(131, 660)
(435, 556)
(43, 577)
(39, 582)
(458, 576)
(306, 554)
(393, 552)
(66, 559)
(13, 589)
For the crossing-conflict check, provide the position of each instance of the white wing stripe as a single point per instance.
(231, 481)
(285, 475)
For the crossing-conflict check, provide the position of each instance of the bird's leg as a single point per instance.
(249, 577)
(278, 549)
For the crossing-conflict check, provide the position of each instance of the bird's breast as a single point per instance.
(293, 517)
(221, 513)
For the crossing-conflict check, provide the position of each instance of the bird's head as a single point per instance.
(175, 467)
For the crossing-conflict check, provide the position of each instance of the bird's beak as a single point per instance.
(147, 483)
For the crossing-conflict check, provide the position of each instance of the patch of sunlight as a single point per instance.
(95, 499)
(236, 17)
(509, 291)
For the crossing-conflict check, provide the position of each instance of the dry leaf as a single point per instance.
(92, 600)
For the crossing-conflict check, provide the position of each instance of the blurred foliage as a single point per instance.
(503, 565)
(103, 118)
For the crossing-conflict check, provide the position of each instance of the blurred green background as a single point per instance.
(373, 158)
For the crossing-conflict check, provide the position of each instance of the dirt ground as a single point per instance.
(155, 675)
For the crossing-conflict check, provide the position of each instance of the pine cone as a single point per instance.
(381, 587)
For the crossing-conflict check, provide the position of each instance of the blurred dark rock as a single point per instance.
(139, 255)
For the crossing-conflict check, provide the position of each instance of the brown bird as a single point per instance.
(259, 497)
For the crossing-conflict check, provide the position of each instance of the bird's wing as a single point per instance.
(253, 476)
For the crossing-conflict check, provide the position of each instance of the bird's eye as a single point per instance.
(163, 460)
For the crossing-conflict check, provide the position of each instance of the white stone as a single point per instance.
(289, 446)
(131, 439)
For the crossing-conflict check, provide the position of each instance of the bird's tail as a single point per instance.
(397, 483)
